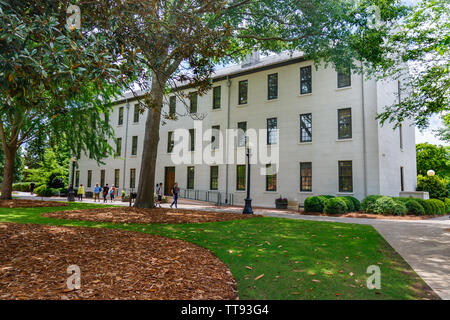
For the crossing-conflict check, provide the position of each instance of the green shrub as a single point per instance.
(21, 186)
(368, 204)
(438, 205)
(428, 208)
(55, 180)
(349, 203)
(356, 203)
(314, 204)
(414, 207)
(335, 205)
(388, 206)
(326, 196)
(436, 186)
(44, 191)
(447, 205)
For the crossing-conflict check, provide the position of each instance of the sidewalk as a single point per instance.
(424, 244)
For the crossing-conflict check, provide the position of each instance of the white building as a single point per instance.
(328, 139)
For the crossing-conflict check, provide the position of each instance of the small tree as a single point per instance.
(431, 157)
(435, 186)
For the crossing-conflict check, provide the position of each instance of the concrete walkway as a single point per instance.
(424, 244)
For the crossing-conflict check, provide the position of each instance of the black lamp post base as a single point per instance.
(248, 206)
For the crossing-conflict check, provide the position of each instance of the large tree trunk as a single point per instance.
(8, 173)
(146, 187)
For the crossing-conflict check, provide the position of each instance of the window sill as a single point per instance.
(240, 191)
(216, 109)
(304, 94)
(304, 143)
(133, 156)
(344, 88)
(345, 193)
(344, 140)
(305, 192)
(242, 105)
(270, 192)
(272, 100)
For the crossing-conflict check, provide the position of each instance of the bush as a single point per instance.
(21, 186)
(314, 204)
(335, 205)
(349, 203)
(428, 208)
(44, 191)
(387, 206)
(414, 207)
(326, 196)
(368, 204)
(55, 180)
(447, 205)
(438, 206)
(435, 186)
(356, 203)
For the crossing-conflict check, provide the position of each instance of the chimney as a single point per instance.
(251, 59)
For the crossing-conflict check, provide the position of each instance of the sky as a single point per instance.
(428, 135)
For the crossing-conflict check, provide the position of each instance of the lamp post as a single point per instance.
(248, 201)
(71, 193)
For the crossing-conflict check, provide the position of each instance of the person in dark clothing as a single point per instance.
(32, 185)
(175, 191)
(105, 193)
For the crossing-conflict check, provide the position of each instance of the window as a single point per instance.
(118, 147)
(272, 134)
(215, 137)
(192, 139)
(132, 178)
(243, 91)
(120, 122)
(116, 177)
(102, 177)
(272, 86)
(89, 179)
(214, 178)
(172, 105)
(345, 123)
(136, 113)
(305, 80)
(305, 176)
(306, 127)
(77, 178)
(271, 178)
(170, 142)
(217, 93)
(242, 129)
(193, 98)
(400, 129)
(134, 143)
(190, 177)
(402, 179)
(344, 78)
(345, 176)
(240, 177)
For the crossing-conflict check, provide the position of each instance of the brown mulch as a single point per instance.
(114, 264)
(146, 216)
(16, 203)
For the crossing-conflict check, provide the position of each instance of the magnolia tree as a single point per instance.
(166, 41)
(52, 78)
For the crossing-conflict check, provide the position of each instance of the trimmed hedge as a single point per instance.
(414, 207)
(23, 186)
(387, 206)
(349, 204)
(356, 203)
(447, 205)
(314, 204)
(368, 204)
(44, 191)
(438, 206)
(336, 205)
(426, 206)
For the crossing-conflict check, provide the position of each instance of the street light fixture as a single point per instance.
(248, 201)
(431, 173)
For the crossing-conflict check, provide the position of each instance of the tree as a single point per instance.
(435, 186)
(421, 42)
(431, 157)
(52, 78)
(167, 42)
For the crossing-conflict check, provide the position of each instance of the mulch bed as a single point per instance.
(15, 203)
(146, 216)
(114, 264)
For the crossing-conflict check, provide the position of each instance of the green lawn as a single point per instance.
(299, 259)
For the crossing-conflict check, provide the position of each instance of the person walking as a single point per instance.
(112, 193)
(105, 193)
(175, 191)
(80, 192)
(159, 194)
(32, 185)
(97, 191)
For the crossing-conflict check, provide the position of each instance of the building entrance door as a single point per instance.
(169, 180)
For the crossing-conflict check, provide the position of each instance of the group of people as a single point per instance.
(105, 191)
(159, 193)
